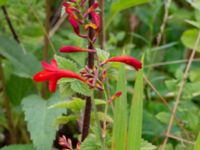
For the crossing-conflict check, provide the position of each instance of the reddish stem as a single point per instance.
(88, 106)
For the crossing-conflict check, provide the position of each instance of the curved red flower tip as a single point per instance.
(96, 19)
(75, 26)
(65, 4)
(52, 74)
(91, 9)
(75, 49)
(127, 60)
(115, 96)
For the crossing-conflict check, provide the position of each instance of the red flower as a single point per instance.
(96, 19)
(75, 49)
(115, 96)
(52, 74)
(127, 60)
(91, 9)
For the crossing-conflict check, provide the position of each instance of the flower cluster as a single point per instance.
(93, 77)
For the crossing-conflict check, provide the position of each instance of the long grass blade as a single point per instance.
(135, 120)
(197, 143)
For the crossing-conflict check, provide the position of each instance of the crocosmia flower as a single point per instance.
(126, 60)
(75, 49)
(52, 74)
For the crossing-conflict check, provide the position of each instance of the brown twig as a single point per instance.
(88, 106)
(165, 19)
(180, 91)
(180, 139)
(15, 36)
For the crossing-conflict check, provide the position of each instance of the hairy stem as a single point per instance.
(88, 106)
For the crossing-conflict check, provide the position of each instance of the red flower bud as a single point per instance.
(52, 74)
(75, 49)
(96, 19)
(91, 9)
(127, 60)
(116, 95)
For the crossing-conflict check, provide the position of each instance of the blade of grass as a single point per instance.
(197, 143)
(120, 113)
(135, 120)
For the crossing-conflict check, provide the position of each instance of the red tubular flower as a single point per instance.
(75, 49)
(96, 19)
(115, 96)
(91, 9)
(52, 74)
(127, 60)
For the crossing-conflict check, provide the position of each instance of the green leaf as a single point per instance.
(189, 38)
(120, 112)
(3, 2)
(17, 88)
(91, 143)
(136, 115)
(81, 88)
(76, 104)
(194, 23)
(197, 143)
(19, 147)
(64, 63)
(125, 4)
(164, 117)
(65, 119)
(103, 117)
(102, 54)
(65, 89)
(145, 145)
(25, 64)
(40, 120)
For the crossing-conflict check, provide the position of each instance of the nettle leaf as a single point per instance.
(145, 145)
(65, 89)
(64, 63)
(19, 147)
(65, 119)
(25, 63)
(40, 120)
(91, 143)
(189, 38)
(102, 54)
(76, 104)
(81, 88)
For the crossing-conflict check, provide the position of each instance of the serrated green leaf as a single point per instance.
(25, 64)
(76, 104)
(189, 38)
(104, 117)
(64, 63)
(19, 147)
(91, 143)
(102, 54)
(40, 120)
(65, 89)
(81, 88)
(120, 113)
(136, 115)
(145, 145)
(65, 119)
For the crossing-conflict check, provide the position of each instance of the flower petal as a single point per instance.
(43, 76)
(74, 49)
(127, 60)
(53, 85)
(91, 9)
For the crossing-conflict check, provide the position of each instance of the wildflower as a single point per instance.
(96, 19)
(65, 143)
(91, 9)
(75, 49)
(125, 59)
(116, 95)
(52, 74)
